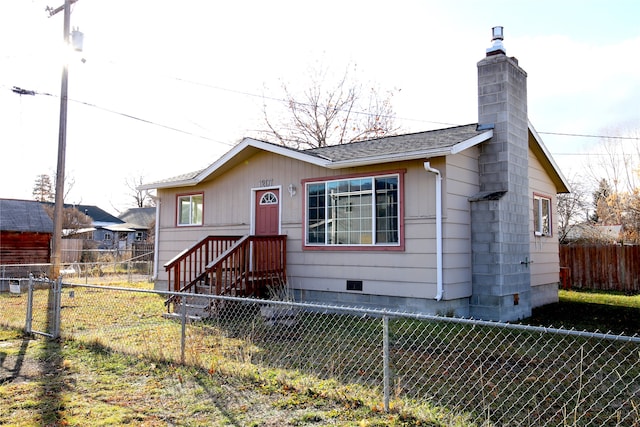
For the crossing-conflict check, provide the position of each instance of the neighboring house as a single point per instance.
(25, 234)
(592, 233)
(141, 221)
(106, 231)
(110, 232)
(452, 221)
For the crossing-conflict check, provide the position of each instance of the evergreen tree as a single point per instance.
(43, 190)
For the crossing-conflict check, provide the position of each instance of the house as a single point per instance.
(457, 221)
(142, 221)
(107, 231)
(594, 233)
(25, 237)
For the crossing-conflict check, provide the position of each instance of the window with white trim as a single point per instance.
(357, 211)
(190, 209)
(541, 215)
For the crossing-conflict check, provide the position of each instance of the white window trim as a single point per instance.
(539, 199)
(190, 196)
(374, 242)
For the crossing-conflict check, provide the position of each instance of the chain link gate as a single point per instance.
(43, 307)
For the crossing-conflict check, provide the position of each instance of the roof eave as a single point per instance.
(413, 155)
(171, 184)
(249, 143)
(260, 145)
(471, 142)
(561, 181)
(386, 158)
(245, 144)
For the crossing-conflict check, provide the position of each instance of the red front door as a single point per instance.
(266, 254)
(267, 212)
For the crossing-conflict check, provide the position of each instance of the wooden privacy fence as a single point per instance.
(602, 267)
(71, 250)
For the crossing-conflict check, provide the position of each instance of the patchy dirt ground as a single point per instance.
(54, 384)
(15, 366)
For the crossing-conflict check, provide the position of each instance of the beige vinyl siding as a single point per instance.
(411, 273)
(544, 249)
(461, 183)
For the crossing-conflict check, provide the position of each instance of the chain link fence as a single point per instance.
(493, 374)
(106, 270)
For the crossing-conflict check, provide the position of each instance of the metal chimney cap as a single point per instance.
(497, 34)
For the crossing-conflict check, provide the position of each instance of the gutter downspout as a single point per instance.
(428, 168)
(156, 250)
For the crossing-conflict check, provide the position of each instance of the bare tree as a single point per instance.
(573, 209)
(328, 114)
(143, 198)
(617, 172)
(72, 219)
(632, 231)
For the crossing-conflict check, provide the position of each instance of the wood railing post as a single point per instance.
(231, 264)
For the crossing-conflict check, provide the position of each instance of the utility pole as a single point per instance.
(58, 209)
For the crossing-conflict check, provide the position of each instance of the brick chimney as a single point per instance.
(500, 211)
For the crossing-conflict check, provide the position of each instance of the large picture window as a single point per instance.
(190, 210)
(541, 215)
(353, 212)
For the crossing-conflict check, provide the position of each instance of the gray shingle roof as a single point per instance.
(438, 142)
(24, 216)
(183, 177)
(140, 217)
(97, 215)
(390, 145)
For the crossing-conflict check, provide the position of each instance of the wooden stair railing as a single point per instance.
(248, 267)
(185, 267)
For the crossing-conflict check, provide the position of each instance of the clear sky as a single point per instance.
(169, 86)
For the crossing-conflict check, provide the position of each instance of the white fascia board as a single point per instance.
(261, 145)
(461, 146)
(168, 184)
(388, 158)
(547, 153)
(229, 155)
(288, 152)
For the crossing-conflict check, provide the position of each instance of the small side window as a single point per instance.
(541, 215)
(190, 209)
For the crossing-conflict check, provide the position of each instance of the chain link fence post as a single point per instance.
(29, 320)
(183, 316)
(57, 302)
(385, 360)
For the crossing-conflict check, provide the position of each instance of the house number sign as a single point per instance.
(265, 182)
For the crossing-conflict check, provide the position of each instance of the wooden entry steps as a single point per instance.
(228, 265)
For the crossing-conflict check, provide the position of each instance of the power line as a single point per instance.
(129, 116)
(581, 154)
(22, 91)
(591, 136)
